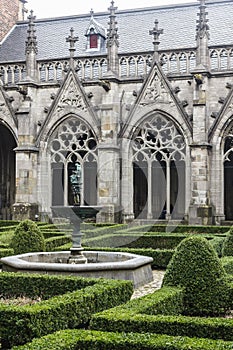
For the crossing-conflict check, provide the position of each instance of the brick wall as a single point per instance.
(9, 14)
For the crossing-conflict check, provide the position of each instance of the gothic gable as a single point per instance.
(157, 94)
(70, 100)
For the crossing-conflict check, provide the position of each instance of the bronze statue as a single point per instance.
(76, 183)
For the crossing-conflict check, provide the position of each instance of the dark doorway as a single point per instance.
(228, 181)
(7, 172)
(140, 189)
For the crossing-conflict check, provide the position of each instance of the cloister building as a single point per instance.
(141, 99)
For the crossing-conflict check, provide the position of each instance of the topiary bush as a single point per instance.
(196, 268)
(27, 238)
(227, 248)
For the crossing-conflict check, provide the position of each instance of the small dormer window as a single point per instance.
(93, 41)
(96, 36)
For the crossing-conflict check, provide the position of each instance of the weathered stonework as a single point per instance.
(153, 144)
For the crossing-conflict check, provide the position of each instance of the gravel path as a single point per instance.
(150, 287)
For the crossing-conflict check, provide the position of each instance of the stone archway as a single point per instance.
(73, 143)
(159, 160)
(7, 172)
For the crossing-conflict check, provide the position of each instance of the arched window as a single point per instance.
(159, 154)
(73, 143)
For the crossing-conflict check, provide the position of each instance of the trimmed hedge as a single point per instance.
(151, 314)
(86, 339)
(52, 243)
(27, 238)
(180, 229)
(227, 263)
(136, 240)
(6, 252)
(20, 324)
(227, 247)
(196, 268)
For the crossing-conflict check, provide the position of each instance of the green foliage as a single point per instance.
(88, 339)
(217, 243)
(72, 309)
(227, 248)
(196, 268)
(151, 314)
(27, 238)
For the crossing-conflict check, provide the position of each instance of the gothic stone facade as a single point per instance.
(146, 112)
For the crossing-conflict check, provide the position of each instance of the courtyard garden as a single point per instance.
(192, 309)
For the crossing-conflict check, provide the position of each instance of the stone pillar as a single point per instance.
(108, 176)
(127, 186)
(26, 167)
(200, 210)
(109, 183)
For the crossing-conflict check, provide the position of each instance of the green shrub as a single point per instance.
(72, 309)
(196, 267)
(27, 238)
(217, 243)
(227, 248)
(85, 339)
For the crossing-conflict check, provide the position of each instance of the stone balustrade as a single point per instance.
(178, 62)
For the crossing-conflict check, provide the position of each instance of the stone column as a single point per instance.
(109, 183)
(200, 210)
(108, 175)
(26, 205)
(127, 186)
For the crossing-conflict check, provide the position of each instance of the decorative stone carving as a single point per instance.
(156, 92)
(72, 98)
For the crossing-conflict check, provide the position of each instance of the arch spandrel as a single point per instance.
(7, 117)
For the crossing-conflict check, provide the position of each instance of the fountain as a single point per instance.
(77, 261)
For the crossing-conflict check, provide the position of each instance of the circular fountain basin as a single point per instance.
(111, 265)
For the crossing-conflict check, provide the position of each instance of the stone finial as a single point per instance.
(202, 28)
(112, 36)
(72, 40)
(31, 43)
(156, 32)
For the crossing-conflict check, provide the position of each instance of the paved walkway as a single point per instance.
(150, 287)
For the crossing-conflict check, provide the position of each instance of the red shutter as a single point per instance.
(93, 41)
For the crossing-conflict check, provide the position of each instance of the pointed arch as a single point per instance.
(72, 142)
(159, 156)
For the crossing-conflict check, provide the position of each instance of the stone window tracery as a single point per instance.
(159, 149)
(72, 142)
(159, 134)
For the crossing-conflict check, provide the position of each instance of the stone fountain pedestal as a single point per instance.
(76, 214)
(77, 262)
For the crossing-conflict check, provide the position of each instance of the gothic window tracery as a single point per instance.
(73, 142)
(159, 155)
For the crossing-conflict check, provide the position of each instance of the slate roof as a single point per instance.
(178, 22)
